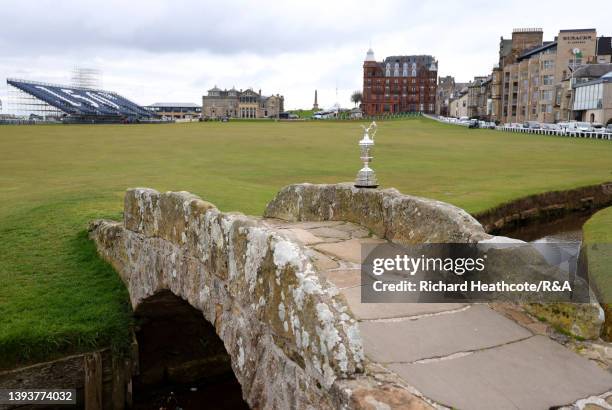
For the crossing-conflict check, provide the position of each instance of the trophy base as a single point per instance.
(366, 178)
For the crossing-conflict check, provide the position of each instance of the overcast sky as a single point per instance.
(173, 51)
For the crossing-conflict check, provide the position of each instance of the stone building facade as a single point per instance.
(241, 104)
(533, 71)
(458, 106)
(399, 84)
(495, 89)
(479, 95)
(444, 92)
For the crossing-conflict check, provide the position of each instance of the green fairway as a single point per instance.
(56, 296)
(598, 239)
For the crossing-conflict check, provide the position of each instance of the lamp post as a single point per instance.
(366, 177)
(576, 53)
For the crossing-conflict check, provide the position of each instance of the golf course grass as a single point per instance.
(57, 297)
(598, 241)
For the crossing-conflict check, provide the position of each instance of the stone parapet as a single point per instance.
(399, 218)
(292, 340)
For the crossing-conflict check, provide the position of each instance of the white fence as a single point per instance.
(543, 131)
(561, 133)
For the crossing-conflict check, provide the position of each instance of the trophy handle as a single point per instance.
(372, 129)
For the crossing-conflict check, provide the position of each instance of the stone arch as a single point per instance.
(178, 349)
(290, 339)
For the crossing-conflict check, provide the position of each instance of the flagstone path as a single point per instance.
(464, 356)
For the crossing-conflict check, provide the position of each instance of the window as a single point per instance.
(546, 108)
(589, 97)
(547, 79)
(547, 95)
(547, 64)
(575, 62)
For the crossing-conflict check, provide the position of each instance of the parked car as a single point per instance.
(567, 126)
(576, 126)
(609, 128)
(473, 124)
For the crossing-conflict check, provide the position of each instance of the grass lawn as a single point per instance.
(598, 239)
(303, 113)
(57, 297)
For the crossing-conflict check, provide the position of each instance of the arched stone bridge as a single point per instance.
(282, 293)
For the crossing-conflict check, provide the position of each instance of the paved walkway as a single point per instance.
(465, 356)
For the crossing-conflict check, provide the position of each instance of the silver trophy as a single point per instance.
(366, 177)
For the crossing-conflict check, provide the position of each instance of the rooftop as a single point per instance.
(596, 73)
(411, 58)
(604, 46)
(527, 30)
(536, 50)
(577, 30)
(174, 104)
(592, 70)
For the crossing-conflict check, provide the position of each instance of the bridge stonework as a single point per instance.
(399, 218)
(289, 322)
(292, 340)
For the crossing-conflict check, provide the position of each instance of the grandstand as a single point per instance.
(74, 104)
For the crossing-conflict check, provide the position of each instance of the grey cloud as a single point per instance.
(180, 26)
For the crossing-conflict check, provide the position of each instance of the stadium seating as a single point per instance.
(81, 101)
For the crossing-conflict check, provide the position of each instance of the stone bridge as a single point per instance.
(283, 295)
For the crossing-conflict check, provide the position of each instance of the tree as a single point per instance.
(356, 97)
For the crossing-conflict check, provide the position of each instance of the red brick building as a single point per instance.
(399, 84)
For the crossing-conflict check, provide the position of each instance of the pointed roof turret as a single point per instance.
(370, 55)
